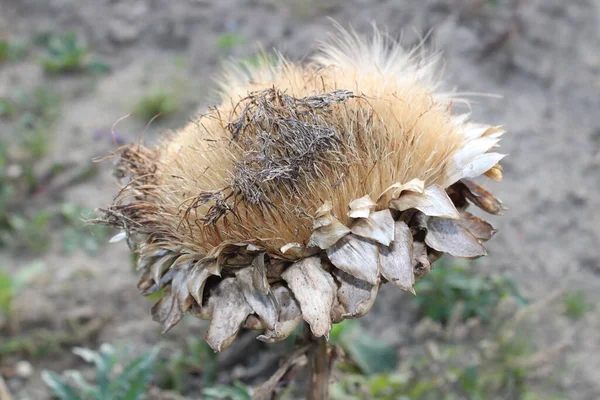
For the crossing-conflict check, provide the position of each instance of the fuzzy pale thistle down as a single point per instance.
(305, 189)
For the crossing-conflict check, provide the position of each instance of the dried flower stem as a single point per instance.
(318, 367)
(296, 359)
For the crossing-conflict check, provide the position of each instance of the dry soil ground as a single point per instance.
(541, 56)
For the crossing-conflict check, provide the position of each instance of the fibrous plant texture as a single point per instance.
(305, 190)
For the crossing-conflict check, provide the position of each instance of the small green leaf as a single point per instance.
(370, 354)
(469, 379)
(77, 378)
(221, 392)
(27, 273)
(228, 41)
(7, 293)
(59, 387)
(98, 67)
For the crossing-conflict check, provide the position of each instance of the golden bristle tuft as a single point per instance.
(287, 138)
(372, 135)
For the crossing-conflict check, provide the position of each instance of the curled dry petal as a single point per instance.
(361, 208)
(169, 310)
(473, 149)
(337, 311)
(495, 172)
(481, 164)
(229, 310)
(414, 185)
(324, 210)
(289, 316)
(183, 259)
(161, 265)
(234, 259)
(494, 131)
(315, 290)
(198, 311)
(146, 281)
(379, 226)
(478, 227)
(434, 201)
(179, 286)
(397, 259)
(448, 236)
(226, 247)
(262, 304)
(234, 255)
(474, 159)
(441, 205)
(213, 267)
(481, 197)
(355, 295)
(296, 251)
(291, 247)
(148, 257)
(455, 192)
(166, 278)
(357, 256)
(196, 281)
(166, 311)
(259, 274)
(326, 228)
(254, 249)
(421, 263)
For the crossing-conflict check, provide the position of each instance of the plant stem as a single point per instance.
(318, 368)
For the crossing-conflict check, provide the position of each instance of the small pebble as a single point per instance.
(24, 369)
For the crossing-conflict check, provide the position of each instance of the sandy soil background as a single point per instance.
(541, 56)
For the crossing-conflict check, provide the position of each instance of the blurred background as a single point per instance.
(520, 324)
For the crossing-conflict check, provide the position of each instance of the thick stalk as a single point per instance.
(318, 368)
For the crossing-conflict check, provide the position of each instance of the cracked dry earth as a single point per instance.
(541, 56)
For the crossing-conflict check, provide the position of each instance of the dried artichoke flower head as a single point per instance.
(304, 190)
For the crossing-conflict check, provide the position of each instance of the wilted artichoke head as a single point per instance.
(304, 190)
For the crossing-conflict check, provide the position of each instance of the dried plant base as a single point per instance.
(336, 276)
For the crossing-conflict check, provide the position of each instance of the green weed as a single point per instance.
(447, 285)
(369, 354)
(26, 231)
(66, 54)
(31, 114)
(116, 379)
(36, 111)
(78, 234)
(41, 342)
(237, 391)
(40, 102)
(575, 305)
(228, 41)
(196, 358)
(156, 103)
(12, 50)
(4, 50)
(11, 284)
(466, 361)
(7, 108)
